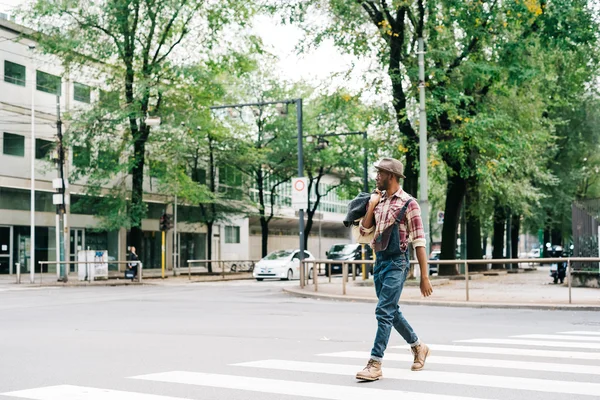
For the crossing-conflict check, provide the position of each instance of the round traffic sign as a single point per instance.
(299, 185)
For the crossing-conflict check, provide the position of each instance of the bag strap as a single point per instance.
(403, 211)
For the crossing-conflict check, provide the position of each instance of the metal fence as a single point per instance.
(586, 229)
(219, 267)
(314, 264)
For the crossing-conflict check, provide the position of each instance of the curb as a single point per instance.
(458, 304)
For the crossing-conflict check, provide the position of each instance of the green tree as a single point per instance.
(132, 46)
(263, 153)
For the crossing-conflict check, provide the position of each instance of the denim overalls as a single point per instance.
(389, 274)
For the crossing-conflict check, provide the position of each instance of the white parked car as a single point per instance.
(281, 264)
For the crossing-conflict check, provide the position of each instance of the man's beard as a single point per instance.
(383, 184)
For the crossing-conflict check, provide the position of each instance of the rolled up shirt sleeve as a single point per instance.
(416, 233)
(364, 231)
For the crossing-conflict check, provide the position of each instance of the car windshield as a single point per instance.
(343, 248)
(279, 255)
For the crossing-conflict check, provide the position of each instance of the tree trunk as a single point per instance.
(455, 193)
(264, 224)
(264, 230)
(484, 244)
(411, 183)
(473, 225)
(137, 209)
(498, 237)
(546, 240)
(514, 238)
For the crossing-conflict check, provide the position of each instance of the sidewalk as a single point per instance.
(150, 277)
(533, 290)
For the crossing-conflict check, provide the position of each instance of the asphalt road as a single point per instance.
(113, 343)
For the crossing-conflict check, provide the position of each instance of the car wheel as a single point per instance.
(233, 268)
(259, 279)
(290, 275)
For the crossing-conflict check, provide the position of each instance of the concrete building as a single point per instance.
(30, 78)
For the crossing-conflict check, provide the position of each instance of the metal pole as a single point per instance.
(315, 275)
(598, 241)
(467, 279)
(344, 277)
(58, 232)
(365, 165)
(424, 199)
(569, 277)
(353, 272)
(364, 266)
(162, 256)
(329, 270)
(140, 269)
(300, 175)
(32, 228)
(175, 239)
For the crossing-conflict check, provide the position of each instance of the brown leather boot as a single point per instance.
(372, 371)
(420, 352)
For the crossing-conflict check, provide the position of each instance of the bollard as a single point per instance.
(466, 279)
(353, 272)
(344, 277)
(140, 269)
(315, 279)
(189, 270)
(569, 277)
(18, 266)
(329, 269)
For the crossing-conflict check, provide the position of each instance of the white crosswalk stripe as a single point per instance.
(303, 389)
(540, 343)
(503, 382)
(579, 333)
(576, 355)
(68, 392)
(560, 337)
(480, 362)
(520, 370)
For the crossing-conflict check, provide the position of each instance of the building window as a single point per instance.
(232, 234)
(14, 73)
(82, 92)
(48, 83)
(14, 145)
(43, 148)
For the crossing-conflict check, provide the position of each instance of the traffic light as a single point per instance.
(166, 222)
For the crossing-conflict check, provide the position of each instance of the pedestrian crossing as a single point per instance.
(562, 365)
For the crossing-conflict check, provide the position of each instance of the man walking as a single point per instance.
(395, 218)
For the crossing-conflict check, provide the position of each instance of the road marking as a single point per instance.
(580, 333)
(23, 289)
(501, 382)
(480, 362)
(510, 351)
(68, 392)
(519, 342)
(560, 337)
(292, 388)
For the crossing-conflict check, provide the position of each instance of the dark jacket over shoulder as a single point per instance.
(357, 208)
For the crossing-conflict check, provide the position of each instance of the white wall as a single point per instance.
(234, 251)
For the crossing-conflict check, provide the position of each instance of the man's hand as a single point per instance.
(426, 289)
(375, 198)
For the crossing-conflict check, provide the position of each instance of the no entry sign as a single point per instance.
(299, 193)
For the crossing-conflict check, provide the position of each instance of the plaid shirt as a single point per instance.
(386, 213)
